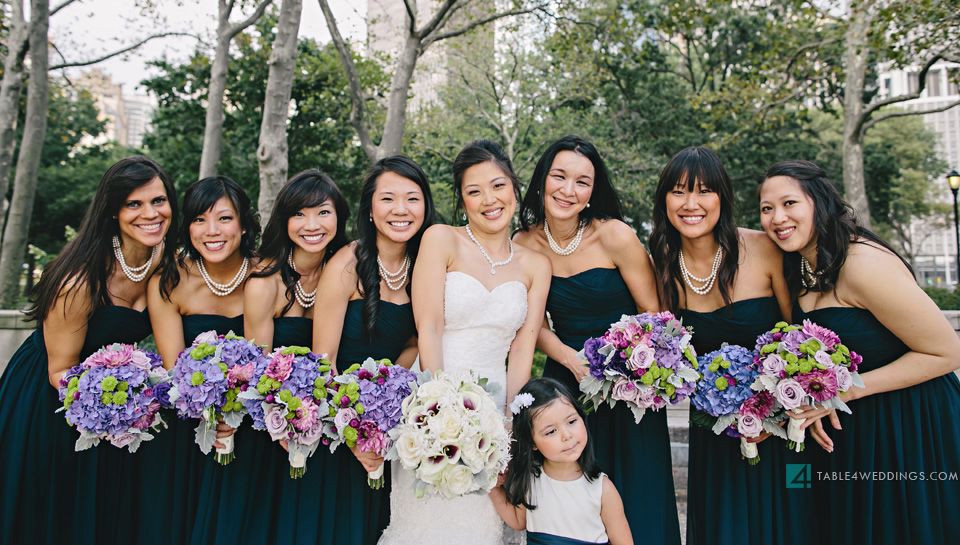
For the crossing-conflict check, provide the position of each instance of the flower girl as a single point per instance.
(555, 489)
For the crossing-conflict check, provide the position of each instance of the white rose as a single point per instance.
(434, 389)
(431, 468)
(446, 425)
(491, 422)
(457, 480)
(471, 452)
(410, 449)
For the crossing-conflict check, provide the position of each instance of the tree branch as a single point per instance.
(412, 14)
(442, 11)
(815, 45)
(922, 84)
(239, 27)
(479, 22)
(66, 64)
(353, 80)
(60, 6)
(903, 113)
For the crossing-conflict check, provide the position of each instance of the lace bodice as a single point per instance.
(479, 327)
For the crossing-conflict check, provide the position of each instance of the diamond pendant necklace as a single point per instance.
(493, 264)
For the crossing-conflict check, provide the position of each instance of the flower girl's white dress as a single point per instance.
(479, 326)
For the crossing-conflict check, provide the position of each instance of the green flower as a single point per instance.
(202, 350)
(332, 412)
(838, 358)
(296, 350)
(670, 389)
(196, 378)
(687, 353)
(324, 368)
(350, 435)
(843, 349)
(725, 364)
(285, 396)
(263, 388)
(290, 415)
(106, 398)
(222, 366)
(792, 368)
(359, 408)
(122, 386)
(352, 368)
(780, 325)
(74, 383)
(721, 383)
(790, 357)
(768, 348)
(319, 382)
(806, 365)
(119, 398)
(108, 384)
(647, 378)
(665, 373)
(294, 403)
(317, 393)
(231, 394)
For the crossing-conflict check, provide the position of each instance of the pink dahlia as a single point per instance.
(819, 383)
(758, 405)
(822, 334)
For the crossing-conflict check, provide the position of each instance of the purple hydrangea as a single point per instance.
(201, 377)
(722, 389)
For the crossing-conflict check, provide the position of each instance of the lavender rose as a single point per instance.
(790, 393)
(844, 379)
(276, 423)
(312, 435)
(343, 418)
(749, 425)
(641, 358)
(624, 390)
(773, 364)
(208, 337)
(824, 359)
(121, 440)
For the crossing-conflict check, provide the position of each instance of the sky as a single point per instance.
(89, 28)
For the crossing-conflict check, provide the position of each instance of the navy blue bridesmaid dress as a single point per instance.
(49, 491)
(907, 440)
(635, 456)
(239, 503)
(332, 504)
(728, 500)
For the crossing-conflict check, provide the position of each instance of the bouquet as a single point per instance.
(805, 365)
(115, 394)
(452, 435)
(367, 405)
(644, 360)
(726, 403)
(290, 401)
(207, 379)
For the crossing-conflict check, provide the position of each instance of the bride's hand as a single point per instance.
(369, 459)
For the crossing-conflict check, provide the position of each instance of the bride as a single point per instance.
(491, 306)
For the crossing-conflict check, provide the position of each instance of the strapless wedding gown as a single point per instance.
(479, 327)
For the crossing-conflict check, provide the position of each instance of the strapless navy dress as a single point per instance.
(728, 500)
(904, 446)
(48, 493)
(332, 504)
(635, 456)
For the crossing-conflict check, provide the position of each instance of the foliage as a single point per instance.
(944, 298)
(320, 135)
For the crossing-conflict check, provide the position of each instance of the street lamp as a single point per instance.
(954, 180)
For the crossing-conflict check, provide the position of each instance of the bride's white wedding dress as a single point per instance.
(479, 326)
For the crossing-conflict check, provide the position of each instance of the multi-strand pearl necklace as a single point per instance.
(223, 290)
(806, 271)
(570, 247)
(136, 274)
(306, 300)
(707, 283)
(493, 264)
(395, 280)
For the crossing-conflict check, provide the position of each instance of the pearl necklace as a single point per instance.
(222, 290)
(493, 265)
(708, 281)
(807, 271)
(570, 247)
(136, 274)
(306, 300)
(395, 280)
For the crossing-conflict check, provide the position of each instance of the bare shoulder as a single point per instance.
(615, 234)
(608, 486)
(528, 238)
(439, 234)
(757, 243)
(869, 258)
(262, 265)
(532, 260)
(345, 259)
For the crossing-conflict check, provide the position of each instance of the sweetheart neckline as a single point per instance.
(482, 285)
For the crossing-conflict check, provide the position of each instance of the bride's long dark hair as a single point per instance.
(693, 165)
(368, 272)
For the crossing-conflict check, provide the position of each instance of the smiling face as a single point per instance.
(488, 197)
(398, 207)
(313, 228)
(568, 186)
(787, 215)
(217, 232)
(693, 212)
(144, 216)
(559, 433)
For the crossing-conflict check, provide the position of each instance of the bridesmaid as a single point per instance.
(92, 294)
(571, 214)
(307, 226)
(727, 284)
(907, 417)
(365, 294)
(219, 235)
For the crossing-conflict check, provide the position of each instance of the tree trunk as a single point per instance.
(396, 121)
(854, 69)
(213, 129)
(272, 151)
(10, 87)
(28, 163)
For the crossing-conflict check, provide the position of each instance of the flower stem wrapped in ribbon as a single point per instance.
(725, 390)
(290, 400)
(367, 405)
(452, 435)
(115, 394)
(207, 381)
(645, 361)
(805, 365)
